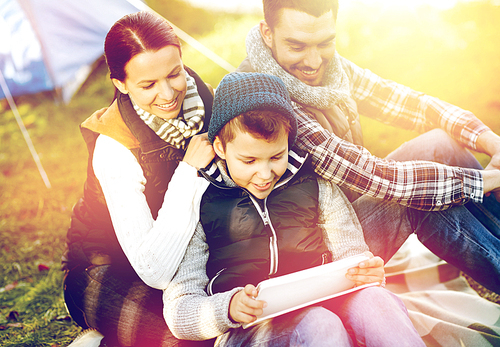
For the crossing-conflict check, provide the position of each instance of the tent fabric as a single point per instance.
(444, 309)
(47, 44)
(21, 60)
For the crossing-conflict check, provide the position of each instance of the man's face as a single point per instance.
(255, 164)
(302, 44)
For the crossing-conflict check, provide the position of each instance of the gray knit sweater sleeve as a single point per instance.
(189, 312)
(341, 228)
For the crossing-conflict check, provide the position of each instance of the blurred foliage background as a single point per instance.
(451, 54)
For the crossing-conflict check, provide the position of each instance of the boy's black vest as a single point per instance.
(240, 244)
(91, 232)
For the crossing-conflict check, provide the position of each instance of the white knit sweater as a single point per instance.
(193, 315)
(154, 248)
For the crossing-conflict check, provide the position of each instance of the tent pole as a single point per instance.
(26, 135)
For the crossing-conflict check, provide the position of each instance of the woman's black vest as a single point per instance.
(91, 232)
(240, 244)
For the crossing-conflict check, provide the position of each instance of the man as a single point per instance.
(296, 42)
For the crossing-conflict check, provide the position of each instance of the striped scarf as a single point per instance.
(176, 131)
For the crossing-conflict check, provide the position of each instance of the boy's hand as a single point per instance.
(368, 271)
(199, 152)
(243, 308)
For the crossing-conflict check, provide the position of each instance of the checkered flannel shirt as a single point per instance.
(421, 185)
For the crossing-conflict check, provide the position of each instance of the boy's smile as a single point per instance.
(255, 164)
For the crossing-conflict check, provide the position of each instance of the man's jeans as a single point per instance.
(369, 317)
(467, 237)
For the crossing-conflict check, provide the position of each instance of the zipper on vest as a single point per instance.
(210, 284)
(273, 238)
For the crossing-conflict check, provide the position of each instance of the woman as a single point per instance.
(122, 250)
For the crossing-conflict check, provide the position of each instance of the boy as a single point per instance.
(265, 215)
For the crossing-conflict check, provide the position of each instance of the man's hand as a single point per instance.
(199, 152)
(243, 308)
(368, 271)
(494, 165)
(494, 162)
(489, 143)
(491, 182)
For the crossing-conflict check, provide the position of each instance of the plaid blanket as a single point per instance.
(444, 309)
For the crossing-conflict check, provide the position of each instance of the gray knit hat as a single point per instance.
(239, 92)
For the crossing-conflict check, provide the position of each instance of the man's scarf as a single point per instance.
(176, 131)
(335, 88)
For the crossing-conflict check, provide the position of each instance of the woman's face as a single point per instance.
(156, 81)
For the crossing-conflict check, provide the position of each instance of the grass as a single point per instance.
(34, 219)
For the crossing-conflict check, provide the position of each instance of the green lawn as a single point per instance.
(34, 219)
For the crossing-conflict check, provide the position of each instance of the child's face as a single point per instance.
(255, 164)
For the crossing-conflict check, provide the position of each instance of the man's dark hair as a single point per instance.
(313, 7)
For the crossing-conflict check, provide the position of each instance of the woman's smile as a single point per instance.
(156, 81)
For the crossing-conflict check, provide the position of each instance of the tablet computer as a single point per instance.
(303, 288)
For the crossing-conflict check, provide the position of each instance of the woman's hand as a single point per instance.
(368, 271)
(199, 152)
(243, 308)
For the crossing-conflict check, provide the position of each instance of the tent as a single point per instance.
(49, 44)
(52, 45)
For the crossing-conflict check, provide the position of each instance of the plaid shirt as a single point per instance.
(421, 185)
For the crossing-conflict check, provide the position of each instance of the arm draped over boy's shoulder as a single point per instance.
(421, 185)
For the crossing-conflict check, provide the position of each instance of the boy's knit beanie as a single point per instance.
(239, 92)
